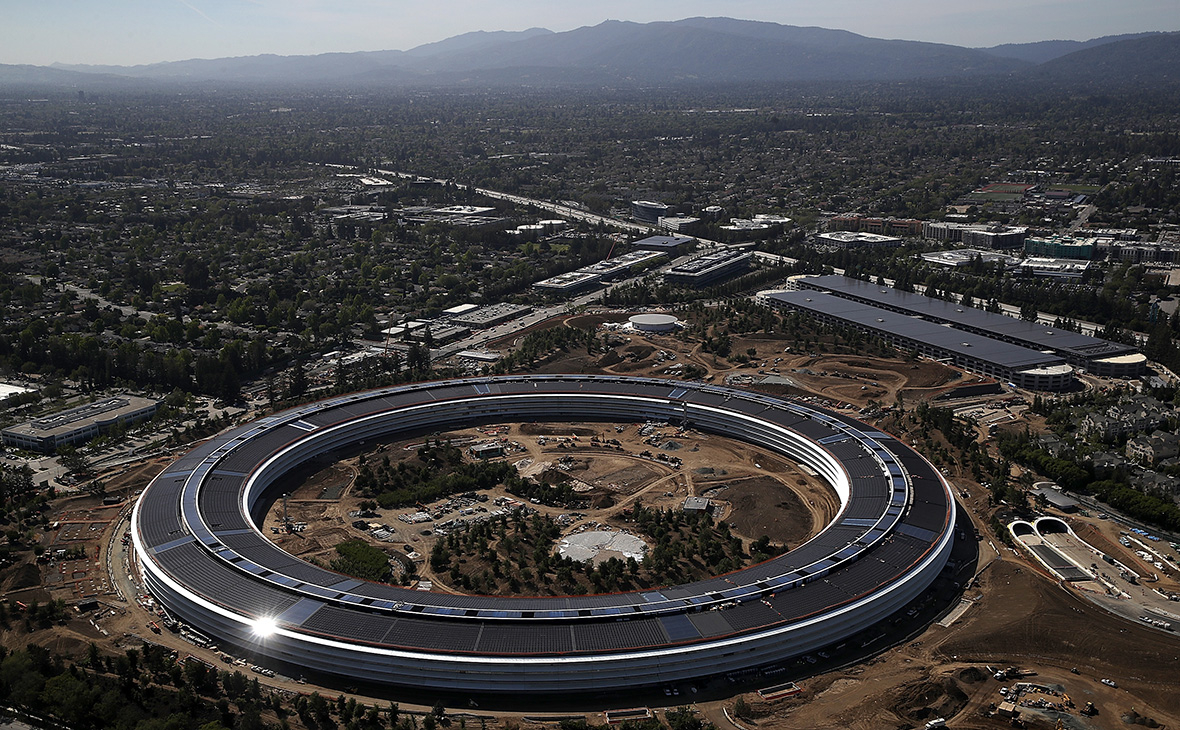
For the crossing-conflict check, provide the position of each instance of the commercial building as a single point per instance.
(1098, 356)
(1148, 253)
(463, 210)
(568, 282)
(851, 239)
(745, 225)
(405, 329)
(354, 213)
(1060, 248)
(540, 228)
(1055, 498)
(881, 226)
(708, 268)
(607, 270)
(1054, 268)
(619, 266)
(967, 256)
(529, 231)
(484, 356)
(490, 315)
(975, 235)
(1116, 234)
(79, 424)
(487, 450)
(1010, 363)
(441, 332)
(671, 245)
(647, 211)
(771, 219)
(465, 216)
(459, 309)
(995, 237)
(678, 224)
(438, 332)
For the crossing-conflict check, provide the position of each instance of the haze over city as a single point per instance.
(128, 32)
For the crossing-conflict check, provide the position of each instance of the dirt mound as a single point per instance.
(601, 501)
(639, 352)
(1134, 718)
(25, 575)
(924, 701)
(610, 358)
(1032, 617)
(63, 642)
(761, 506)
(972, 675)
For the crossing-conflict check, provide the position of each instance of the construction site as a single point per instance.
(1022, 638)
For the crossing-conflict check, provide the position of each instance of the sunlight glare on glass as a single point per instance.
(265, 626)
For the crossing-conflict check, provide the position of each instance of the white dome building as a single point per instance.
(654, 322)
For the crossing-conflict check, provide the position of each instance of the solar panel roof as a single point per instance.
(1030, 334)
(967, 344)
(243, 568)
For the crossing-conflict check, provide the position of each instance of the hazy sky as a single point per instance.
(146, 31)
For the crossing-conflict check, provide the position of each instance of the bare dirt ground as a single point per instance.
(846, 379)
(1020, 619)
(858, 380)
(757, 492)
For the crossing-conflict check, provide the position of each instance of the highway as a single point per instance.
(556, 208)
(565, 211)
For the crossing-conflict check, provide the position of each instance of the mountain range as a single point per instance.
(690, 51)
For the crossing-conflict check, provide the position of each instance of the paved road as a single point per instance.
(555, 208)
(1082, 218)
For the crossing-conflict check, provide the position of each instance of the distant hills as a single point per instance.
(1044, 51)
(1150, 61)
(691, 51)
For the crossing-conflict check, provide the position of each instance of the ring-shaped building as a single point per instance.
(202, 555)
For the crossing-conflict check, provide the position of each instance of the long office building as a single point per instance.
(79, 424)
(975, 235)
(709, 268)
(569, 282)
(588, 276)
(1010, 363)
(489, 315)
(850, 239)
(196, 537)
(619, 266)
(1098, 356)
(870, 224)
